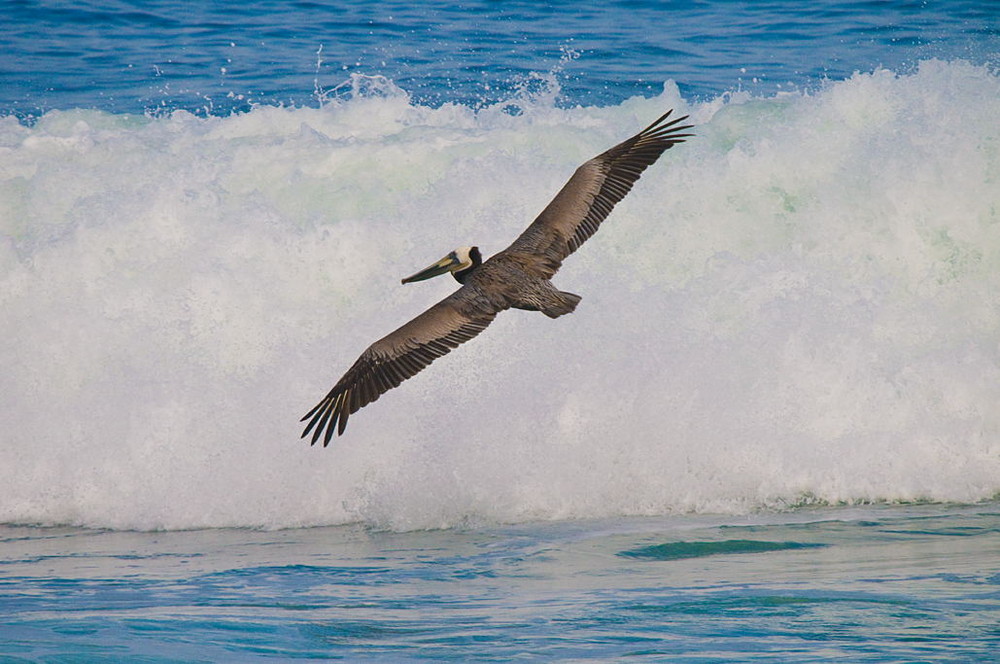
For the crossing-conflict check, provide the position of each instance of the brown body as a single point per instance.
(516, 278)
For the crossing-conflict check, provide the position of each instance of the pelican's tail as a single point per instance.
(565, 303)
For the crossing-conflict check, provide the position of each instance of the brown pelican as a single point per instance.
(517, 277)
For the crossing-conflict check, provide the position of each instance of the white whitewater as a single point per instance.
(801, 304)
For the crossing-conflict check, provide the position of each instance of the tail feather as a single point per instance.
(566, 304)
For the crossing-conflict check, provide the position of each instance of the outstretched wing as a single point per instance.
(398, 356)
(583, 203)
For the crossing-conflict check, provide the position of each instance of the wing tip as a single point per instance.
(657, 121)
(661, 130)
(323, 419)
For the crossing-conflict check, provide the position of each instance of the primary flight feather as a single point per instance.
(517, 277)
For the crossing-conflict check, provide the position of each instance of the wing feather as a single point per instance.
(396, 357)
(585, 201)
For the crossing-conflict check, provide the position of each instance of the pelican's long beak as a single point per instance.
(443, 266)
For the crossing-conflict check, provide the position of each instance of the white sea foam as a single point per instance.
(801, 303)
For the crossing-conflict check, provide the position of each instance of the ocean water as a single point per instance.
(872, 584)
(768, 433)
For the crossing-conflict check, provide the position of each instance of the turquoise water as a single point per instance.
(876, 584)
(768, 433)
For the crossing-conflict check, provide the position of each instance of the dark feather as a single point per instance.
(396, 357)
(585, 201)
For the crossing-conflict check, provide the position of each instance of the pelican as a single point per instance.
(516, 278)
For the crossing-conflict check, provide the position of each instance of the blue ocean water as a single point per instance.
(874, 584)
(768, 433)
(213, 57)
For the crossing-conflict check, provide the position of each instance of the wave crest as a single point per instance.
(800, 301)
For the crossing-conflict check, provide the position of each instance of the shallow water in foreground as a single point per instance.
(860, 584)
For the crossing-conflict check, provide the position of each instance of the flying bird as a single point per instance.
(517, 277)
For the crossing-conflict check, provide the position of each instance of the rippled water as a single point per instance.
(213, 57)
(859, 585)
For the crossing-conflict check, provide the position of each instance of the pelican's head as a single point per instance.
(460, 263)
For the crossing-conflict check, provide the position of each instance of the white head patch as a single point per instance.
(464, 258)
